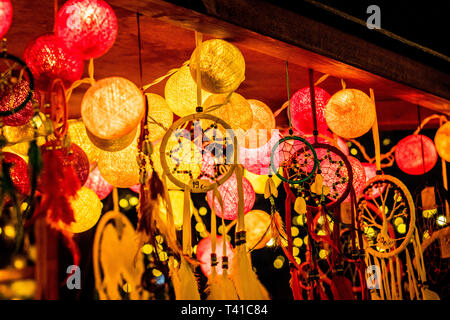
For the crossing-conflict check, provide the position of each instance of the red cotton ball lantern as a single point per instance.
(6, 12)
(204, 255)
(18, 172)
(228, 191)
(13, 99)
(48, 60)
(98, 184)
(74, 156)
(409, 158)
(301, 113)
(88, 28)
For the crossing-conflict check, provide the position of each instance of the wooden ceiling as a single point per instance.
(168, 41)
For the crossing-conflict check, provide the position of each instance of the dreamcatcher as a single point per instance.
(386, 214)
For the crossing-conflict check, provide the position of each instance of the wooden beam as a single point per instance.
(303, 41)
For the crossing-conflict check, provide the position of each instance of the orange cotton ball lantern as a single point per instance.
(204, 255)
(236, 111)
(262, 126)
(160, 117)
(257, 227)
(229, 192)
(409, 156)
(221, 65)
(350, 113)
(442, 141)
(98, 184)
(112, 108)
(87, 209)
(181, 93)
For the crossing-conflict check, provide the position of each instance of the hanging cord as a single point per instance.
(313, 103)
(376, 136)
(421, 140)
(89, 80)
(138, 21)
(291, 132)
(198, 45)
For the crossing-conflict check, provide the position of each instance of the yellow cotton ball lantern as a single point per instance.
(442, 141)
(235, 111)
(257, 227)
(159, 116)
(350, 113)
(21, 133)
(121, 168)
(177, 203)
(87, 209)
(181, 93)
(221, 65)
(112, 108)
(77, 134)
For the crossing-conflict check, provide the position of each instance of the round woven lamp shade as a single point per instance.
(88, 28)
(98, 184)
(48, 59)
(228, 191)
(442, 141)
(262, 126)
(14, 99)
(18, 172)
(237, 112)
(112, 108)
(408, 154)
(301, 113)
(158, 111)
(222, 66)
(257, 223)
(204, 255)
(87, 209)
(350, 113)
(181, 93)
(25, 132)
(121, 168)
(6, 12)
(78, 135)
(359, 178)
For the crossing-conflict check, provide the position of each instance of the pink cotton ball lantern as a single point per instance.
(6, 12)
(408, 154)
(371, 171)
(342, 145)
(96, 183)
(48, 60)
(301, 112)
(136, 188)
(13, 99)
(204, 255)
(88, 28)
(228, 191)
(359, 177)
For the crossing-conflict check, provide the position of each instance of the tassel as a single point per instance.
(277, 229)
(184, 282)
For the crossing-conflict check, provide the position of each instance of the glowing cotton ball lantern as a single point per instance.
(259, 181)
(98, 184)
(121, 168)
(204, 255)
(22, 133)
(350, 113)
(221, 65)
(228, 191)
(87, 27)
(442, 141)
(301, 112)
(408, 154)
(177, 201)
(342, 146)
(237, 112)
(159, 112)
(78, 135)
(48, 60)
(14, 99)
(262, 126)
(6, 12)
(18, 172)
(181, 93)
(257, 226)
(371, 171)
(112, 108)
(87, 209)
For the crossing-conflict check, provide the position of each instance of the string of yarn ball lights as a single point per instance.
(262, 126)
(160, 117)
(411, 158)
(181, 92)
(6, 12)
(78, 135)
(88, 28)
(350, 113)
(13, 99)
(48, 59)
(221, 65)
(112, 108)
(442, 141)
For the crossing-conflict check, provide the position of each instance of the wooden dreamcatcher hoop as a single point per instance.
(196, 184)
(6, 81)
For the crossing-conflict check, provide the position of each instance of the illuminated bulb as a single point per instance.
(270, 243)
(19, 263)
(133, 201)
(147, 248)
(441, 221)
(408, 154)
(278, 263)
(123, 203)
(401, 228)
(323, 253)
(156, 272)
(298, 242)
(294, 231)
(10, 231)
(202, 211)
